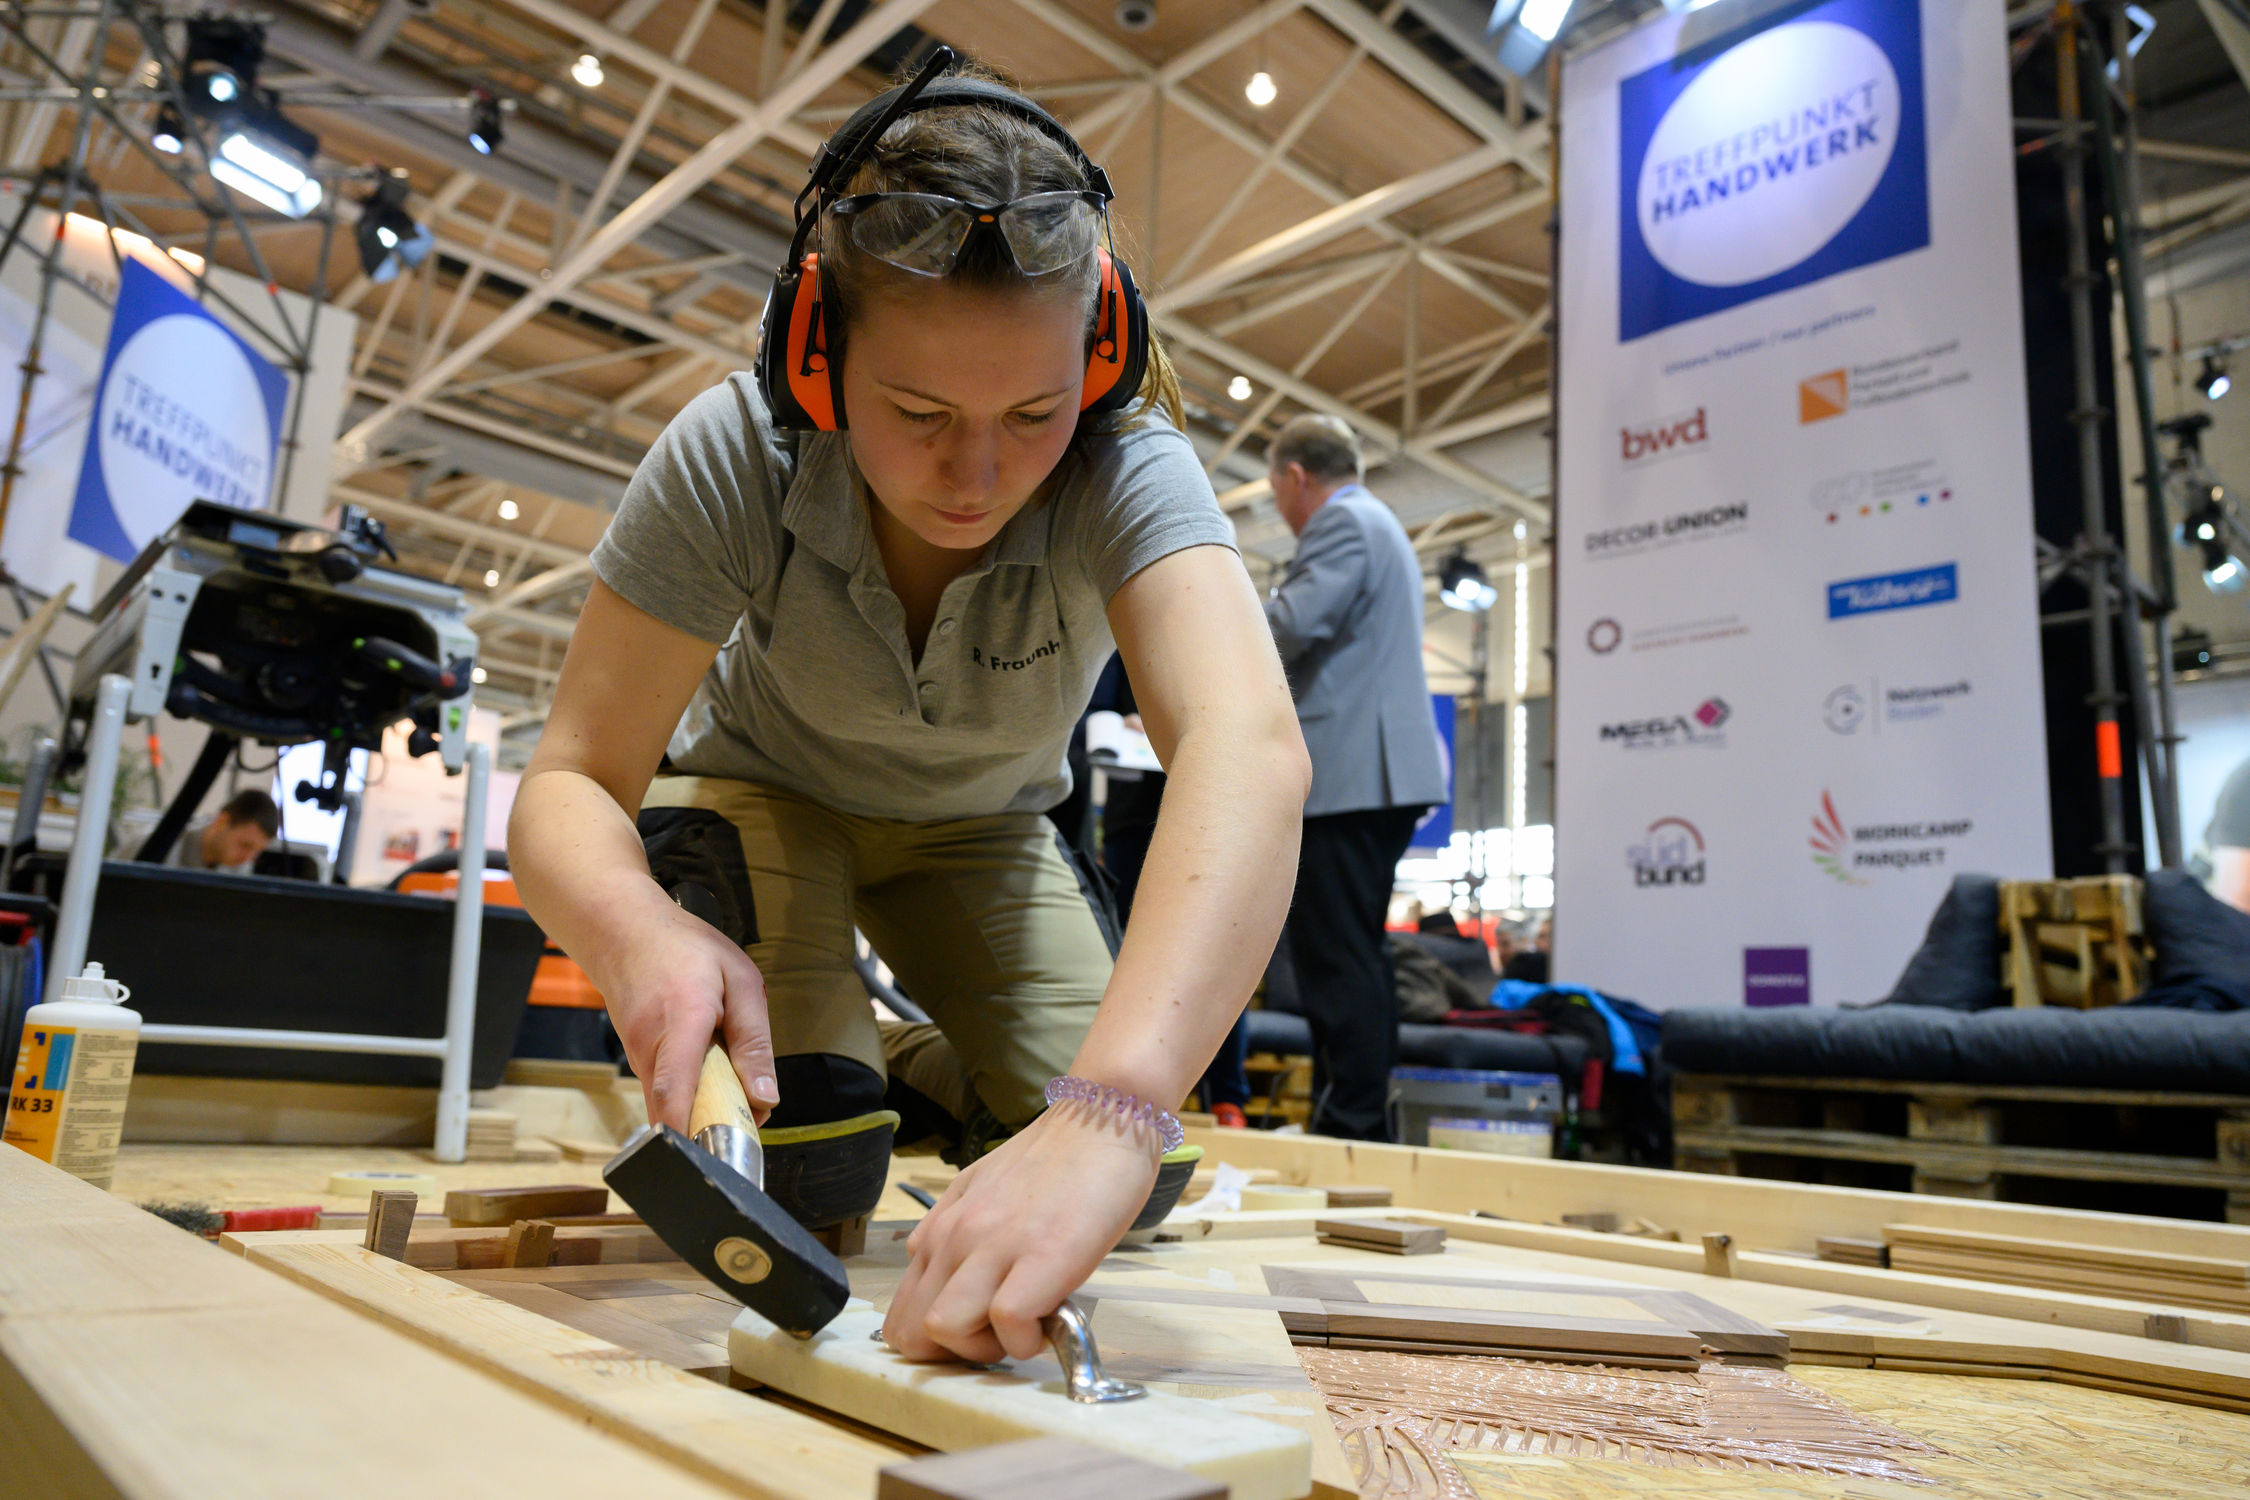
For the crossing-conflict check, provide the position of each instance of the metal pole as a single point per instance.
(461, 985)
(2120, 162)
(76, 912)
(31, 800)
(2097, 546)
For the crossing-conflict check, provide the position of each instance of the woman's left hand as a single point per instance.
(1015, 1234)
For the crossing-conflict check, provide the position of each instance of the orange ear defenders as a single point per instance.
(803, 387)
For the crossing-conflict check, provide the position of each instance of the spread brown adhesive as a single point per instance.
(1400, 1415)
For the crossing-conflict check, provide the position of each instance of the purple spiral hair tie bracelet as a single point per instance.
(1129, 1107)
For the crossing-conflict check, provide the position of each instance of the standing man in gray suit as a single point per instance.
(1347, 618)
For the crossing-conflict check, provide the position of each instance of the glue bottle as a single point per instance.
(67, 1104)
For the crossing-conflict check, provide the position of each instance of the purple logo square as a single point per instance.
(1777, 976)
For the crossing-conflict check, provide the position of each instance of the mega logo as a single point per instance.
(1760, 162)
(1670, 853)
(1667, 437)
(1888, 591)
(1853, 854)
(1669, 731)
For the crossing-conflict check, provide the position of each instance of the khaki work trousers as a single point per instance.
(981, 919)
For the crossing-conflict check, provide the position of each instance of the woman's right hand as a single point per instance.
(674, 986)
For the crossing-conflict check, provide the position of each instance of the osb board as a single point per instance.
(2001, 1440)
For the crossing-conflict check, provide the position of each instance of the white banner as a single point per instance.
(1798, 667)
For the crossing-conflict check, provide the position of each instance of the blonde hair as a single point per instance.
(984, 155)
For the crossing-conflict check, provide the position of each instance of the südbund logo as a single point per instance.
(1794, 154)
(1667, 437)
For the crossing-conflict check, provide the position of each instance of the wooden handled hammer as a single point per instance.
(705, 1198)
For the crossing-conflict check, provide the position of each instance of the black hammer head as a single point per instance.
(740, 1239)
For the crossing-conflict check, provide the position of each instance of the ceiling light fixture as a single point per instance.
(587, 71)
(508, 510)
(492, 578)
(389, 239)
(485, 131)
(1463, 586)
(1260, 90)
(268, 158)
(1239, 388)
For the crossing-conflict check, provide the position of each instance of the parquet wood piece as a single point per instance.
(1040, 1469)
(1718, 1255)
(501, 1206)
(1458, 1330)
(390, 1222)
(530, 1242)
(2231, 1273)
(1853, 1252)
(1392, 1236)
(490, 1252)
(1357, 1195)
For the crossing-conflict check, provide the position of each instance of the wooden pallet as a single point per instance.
(1966, 1140)
(2073, 942)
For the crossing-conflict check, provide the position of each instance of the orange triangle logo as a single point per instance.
(1822, 397)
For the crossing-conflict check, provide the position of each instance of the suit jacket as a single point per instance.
(1347, 618)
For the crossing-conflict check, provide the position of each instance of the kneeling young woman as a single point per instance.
(861, 597)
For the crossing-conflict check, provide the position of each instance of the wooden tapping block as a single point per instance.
(1040, 1469)
(1616, 1340)
(1394, 1236)
(390, 1219)
(845, 1370)
(500, 1206)
(1718, 1255)
(530, 1242)
(1357, 1195)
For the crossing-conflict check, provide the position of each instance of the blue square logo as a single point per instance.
(1769, 160)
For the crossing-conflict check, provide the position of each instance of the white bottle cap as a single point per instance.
(95, 987)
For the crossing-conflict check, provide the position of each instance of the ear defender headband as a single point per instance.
(803, 387)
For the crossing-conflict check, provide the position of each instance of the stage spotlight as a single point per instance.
(265, 157)
(587, 71)
(2222, 570)
(1463, 586)
(1543, 18)
(389, 239)
(484, 121)
(221, 65)
(170, 134)
(2214, 382)
(1261, 89)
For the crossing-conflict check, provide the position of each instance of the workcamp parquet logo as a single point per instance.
(1853, 854)
(1769, 160)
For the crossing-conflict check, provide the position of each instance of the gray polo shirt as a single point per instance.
(725, 536)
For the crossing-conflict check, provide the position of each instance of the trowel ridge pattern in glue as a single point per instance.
(66, 1100)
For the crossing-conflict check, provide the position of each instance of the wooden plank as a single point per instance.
(1759, 1213)
(749, 1445)
(1964, 1161)
(1041, 1469)
(1355, 1195)
(1457, 1329)
(502, 1206)
(2234, 1273)
(135, 1361)
(2148, 1291)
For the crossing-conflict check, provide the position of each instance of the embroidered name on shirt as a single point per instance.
(1017, 664)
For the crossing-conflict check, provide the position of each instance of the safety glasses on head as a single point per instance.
(925, 233)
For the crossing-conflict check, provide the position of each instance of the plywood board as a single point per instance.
(846, 1368)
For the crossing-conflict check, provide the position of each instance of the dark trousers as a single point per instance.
(1344, 981)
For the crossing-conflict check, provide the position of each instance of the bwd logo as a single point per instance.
(1850, 707)
(1854, 854)
(1776, 162)
(1888, 591)
(1670, 853)
(1671, 731)
(1666, 437)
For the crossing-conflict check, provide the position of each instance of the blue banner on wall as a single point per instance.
(185, 411)
(1436, 830)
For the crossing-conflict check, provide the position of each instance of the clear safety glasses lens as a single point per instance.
(925, 232)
